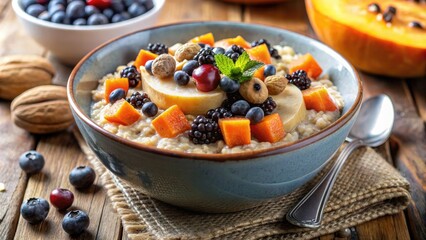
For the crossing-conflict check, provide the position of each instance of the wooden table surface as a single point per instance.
(406, 149)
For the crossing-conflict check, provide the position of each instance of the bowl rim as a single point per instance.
(219, 157)
(159, 4)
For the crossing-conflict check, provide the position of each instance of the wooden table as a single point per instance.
(406, 149)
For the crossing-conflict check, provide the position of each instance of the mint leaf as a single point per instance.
(224, 63)
(252, 64)
(242, 61)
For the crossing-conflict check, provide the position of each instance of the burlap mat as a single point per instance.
(368, 187)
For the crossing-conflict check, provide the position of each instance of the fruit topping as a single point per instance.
(308, 64)
(115, 83)
(254, 91)
(116, 95)
(218, 50)
(269, 70)
(204, 131)
(235, 131)
(143, 57)
(31, 162)
(218, 113)
(374, 8)
(171, 122)
(75, 222)
(82, 177)
(207, 38)
(241, 70)
(270, 129)
(206, 77)
(275, 84)
(181, 78)
(300, 79)
(157, 48)
(122, 112)
(190, 66)
(148, 66)
(260, 53)
(132, 74)
(255, 115)
(101, 4)
(238, 40)
(137, 99)
(389, 14)
(259, 73)
(163, 66)
(268, 106)
(240, 107)
(274, 53)
(35, 210)
(415, 24)
(61, 198)
(319, 99)
(231, 98)
(187, 51)
(234, 52)
(228, 85)
(205, 56)
(149, 109)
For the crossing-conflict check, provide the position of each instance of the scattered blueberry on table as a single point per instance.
(75, 222)
(86, 12)
(82, 177)
(31, 162)
(35, 210)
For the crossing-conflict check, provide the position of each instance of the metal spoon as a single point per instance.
(372, 128)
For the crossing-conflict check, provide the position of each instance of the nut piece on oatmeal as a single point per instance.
(276, 84)
(187, 51)
(254, 91)
(163, 66)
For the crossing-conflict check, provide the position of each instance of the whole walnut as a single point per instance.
(187, 51)
(163, 66)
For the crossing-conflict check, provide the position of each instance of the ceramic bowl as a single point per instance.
(211, 182)
(70, 43)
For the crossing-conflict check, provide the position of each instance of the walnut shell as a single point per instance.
(254, 91)
(43, 109)
(187, 51)
(163, 66)
(22, 72)
(276, 84)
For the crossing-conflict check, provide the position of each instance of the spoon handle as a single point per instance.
(308, 212)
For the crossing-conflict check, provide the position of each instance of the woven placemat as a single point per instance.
(368, 187)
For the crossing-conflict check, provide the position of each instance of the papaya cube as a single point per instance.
(171, 122)
(319, 99)
(259, 73)
(235, 131)
(270, 129)
(122, 112)
(260, 53)
(114, 83)
(307, 63)
(143, 57)
(207, 38)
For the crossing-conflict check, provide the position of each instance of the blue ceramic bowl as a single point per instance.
(211, 182)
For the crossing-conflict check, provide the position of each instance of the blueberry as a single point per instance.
(90, 10)
(75, 10)
(45, 16)
(55, 2)
(35, 10)
(240, 107)
(82, 177)
(190, 66)
(228, 85)
(218, 50)
(35, 210)
(31, 162)
(149, 4)
(269, 70)
(97, 19)
(127, 3)
(125, 15)
(79, 22)
(149, 109)
(116, 95)
(136, 9)
(75, 222)
(108, 12)
(255, 115)
(117, 18)
(181, 78)
(56, 8)
(26, 3)
(148, 66)
(67, 20)
(58, 17)
(117, 6)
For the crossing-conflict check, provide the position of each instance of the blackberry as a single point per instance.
(204, 131)
(137, 99)
(272, 51)
(205, 56)
(234, 52)
(132, 74)
(268, 106)
(300, 79)
(217, 113)
(158, 48)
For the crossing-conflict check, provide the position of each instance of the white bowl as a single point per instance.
(70, 43)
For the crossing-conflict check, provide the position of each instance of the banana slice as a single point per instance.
(290, 107)
(165, 93)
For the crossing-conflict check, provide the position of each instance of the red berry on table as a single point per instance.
(99, 3)
(206, 77)
(61, 198)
